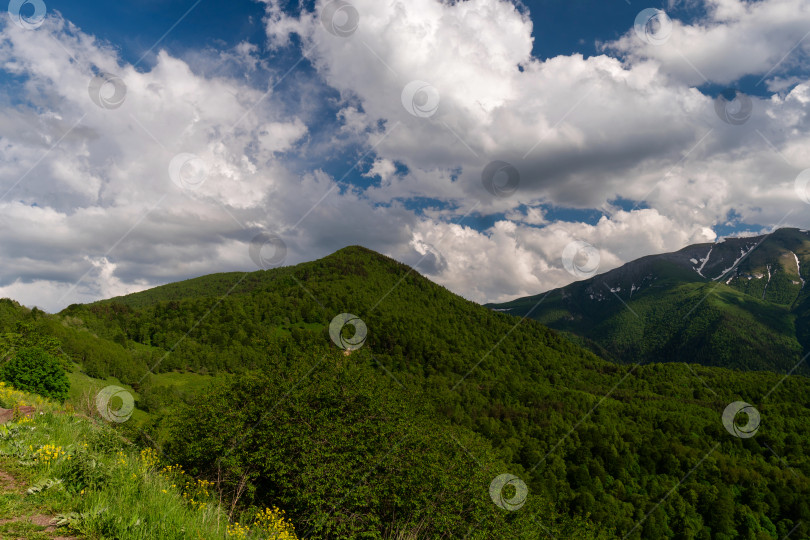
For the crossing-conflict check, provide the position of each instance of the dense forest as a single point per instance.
(407, 432)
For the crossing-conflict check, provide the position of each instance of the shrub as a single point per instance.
(346, 454)
(34, 370)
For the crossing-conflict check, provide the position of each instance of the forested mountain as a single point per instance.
(740, 303)
(406, 431)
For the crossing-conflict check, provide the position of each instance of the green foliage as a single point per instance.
(27, 335)
(96, 483)
(32, 369)
(346, 455)
(601, 446)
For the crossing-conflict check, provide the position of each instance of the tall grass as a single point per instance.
(99, 485)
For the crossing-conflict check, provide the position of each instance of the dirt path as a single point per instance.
(26, 522)
(6, 415)
(22, 520)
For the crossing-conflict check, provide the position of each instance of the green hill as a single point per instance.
(740, 304)
(404, 436)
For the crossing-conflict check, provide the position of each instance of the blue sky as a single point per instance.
(619, 140)
(135, 27)
(561, 26)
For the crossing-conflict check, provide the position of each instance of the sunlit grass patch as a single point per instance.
(94, 483)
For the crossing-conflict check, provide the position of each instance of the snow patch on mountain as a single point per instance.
(743, 254)
(798, 268)
(705, 260)
(768, 283)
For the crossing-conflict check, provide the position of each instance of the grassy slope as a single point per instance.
(85, 477)
(211, 285)
(742, 325)
(118, 491)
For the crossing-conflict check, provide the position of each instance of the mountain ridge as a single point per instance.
(222, 283)
(749, 287)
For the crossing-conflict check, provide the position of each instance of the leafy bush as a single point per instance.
(34, 370)
(345, 454)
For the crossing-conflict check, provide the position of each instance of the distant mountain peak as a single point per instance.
(684, 303)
